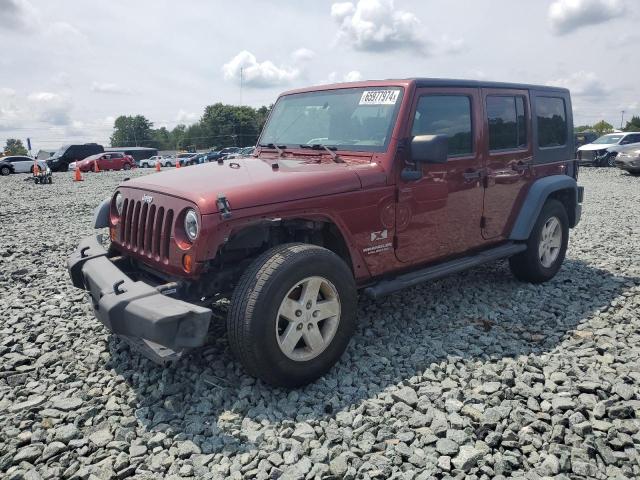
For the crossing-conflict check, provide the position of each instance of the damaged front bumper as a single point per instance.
(160, 327)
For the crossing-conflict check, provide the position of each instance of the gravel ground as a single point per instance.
(473, 376)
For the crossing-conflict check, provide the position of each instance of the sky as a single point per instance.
(69, 67)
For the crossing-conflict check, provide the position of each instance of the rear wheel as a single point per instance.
(292, 314)
(546, 246)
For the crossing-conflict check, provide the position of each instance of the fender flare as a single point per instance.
(535, 199)
(101, 214)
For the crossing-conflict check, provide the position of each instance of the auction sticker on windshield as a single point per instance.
(379, 97)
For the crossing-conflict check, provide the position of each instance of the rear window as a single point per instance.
(507, 122)
(552, 122)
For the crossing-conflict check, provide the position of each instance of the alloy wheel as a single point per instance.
(308, 319)
(550, 242)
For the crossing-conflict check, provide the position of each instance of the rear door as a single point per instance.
(509, 154)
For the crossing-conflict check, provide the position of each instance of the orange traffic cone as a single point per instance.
(177, 163)
(78, 176)
(96, 168)
(157, 166)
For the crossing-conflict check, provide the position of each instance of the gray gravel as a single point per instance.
(474, 376)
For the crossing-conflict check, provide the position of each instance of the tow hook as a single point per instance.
(224, 207)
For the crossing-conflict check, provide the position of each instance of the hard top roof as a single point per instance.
(431, 82)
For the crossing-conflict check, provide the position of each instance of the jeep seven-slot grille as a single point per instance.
(146, 229)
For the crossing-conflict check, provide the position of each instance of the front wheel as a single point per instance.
(292, 314)
(4, 171)
(127, 166)
(611, 160)
(546, 246)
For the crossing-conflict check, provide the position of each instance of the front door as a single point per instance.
(509, 160)
(439, 215)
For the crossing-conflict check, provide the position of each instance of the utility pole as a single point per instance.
(622, 119)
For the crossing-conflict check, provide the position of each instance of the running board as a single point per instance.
(385, 287)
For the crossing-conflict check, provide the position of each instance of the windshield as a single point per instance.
(60, 151)
(608, 139)
(358, 119)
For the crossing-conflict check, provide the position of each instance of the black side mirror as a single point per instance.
(429, 149)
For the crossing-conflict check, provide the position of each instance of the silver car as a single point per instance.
(629, 159)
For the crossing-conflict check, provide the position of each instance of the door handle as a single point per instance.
(471, 175)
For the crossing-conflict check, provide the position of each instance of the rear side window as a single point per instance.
(446, 115)
(552, 122)
(507, 122)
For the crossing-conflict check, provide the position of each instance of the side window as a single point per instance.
(552, 122)
(507, 122)
(446, 115)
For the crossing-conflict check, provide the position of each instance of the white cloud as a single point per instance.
(17, 15)
(186, 118)
(109, 88)
(303, 54)
(335, 77)
(583, 84)
(376, 25)
(257, 74)
(51, 107)
(566, 16)
(353, 76)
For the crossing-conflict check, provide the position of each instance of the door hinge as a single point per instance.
(483, 222)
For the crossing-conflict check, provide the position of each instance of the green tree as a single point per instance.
(633, 125)
(129, 131)
(602, 127)
(15, 147)
(582, 128)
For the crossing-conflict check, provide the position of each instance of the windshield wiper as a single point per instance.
(277, 148)
(331, 150)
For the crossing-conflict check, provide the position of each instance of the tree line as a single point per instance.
(220, 126)
(602, 127)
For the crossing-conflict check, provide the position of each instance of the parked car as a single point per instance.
(243, 152)
(107, 161)
(19, 164)
(185, 158)
(150, 162)
(413, 179)
(214, 156)
(628, 158)
(597, 153)
(583, 138)
(60, 160)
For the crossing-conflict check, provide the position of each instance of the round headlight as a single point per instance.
(191, 225)
(119, 202)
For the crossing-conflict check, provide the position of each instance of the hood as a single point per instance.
(250, 182)
(589, 147)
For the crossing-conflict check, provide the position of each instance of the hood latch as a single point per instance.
(223, 207)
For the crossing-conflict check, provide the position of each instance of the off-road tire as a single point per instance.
(527, 266)
(4, 171)
(252, 317)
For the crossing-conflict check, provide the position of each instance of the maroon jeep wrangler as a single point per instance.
(372, 186)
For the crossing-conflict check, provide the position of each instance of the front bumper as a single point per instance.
(160, 327)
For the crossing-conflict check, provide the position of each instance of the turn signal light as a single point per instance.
(187, 263)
